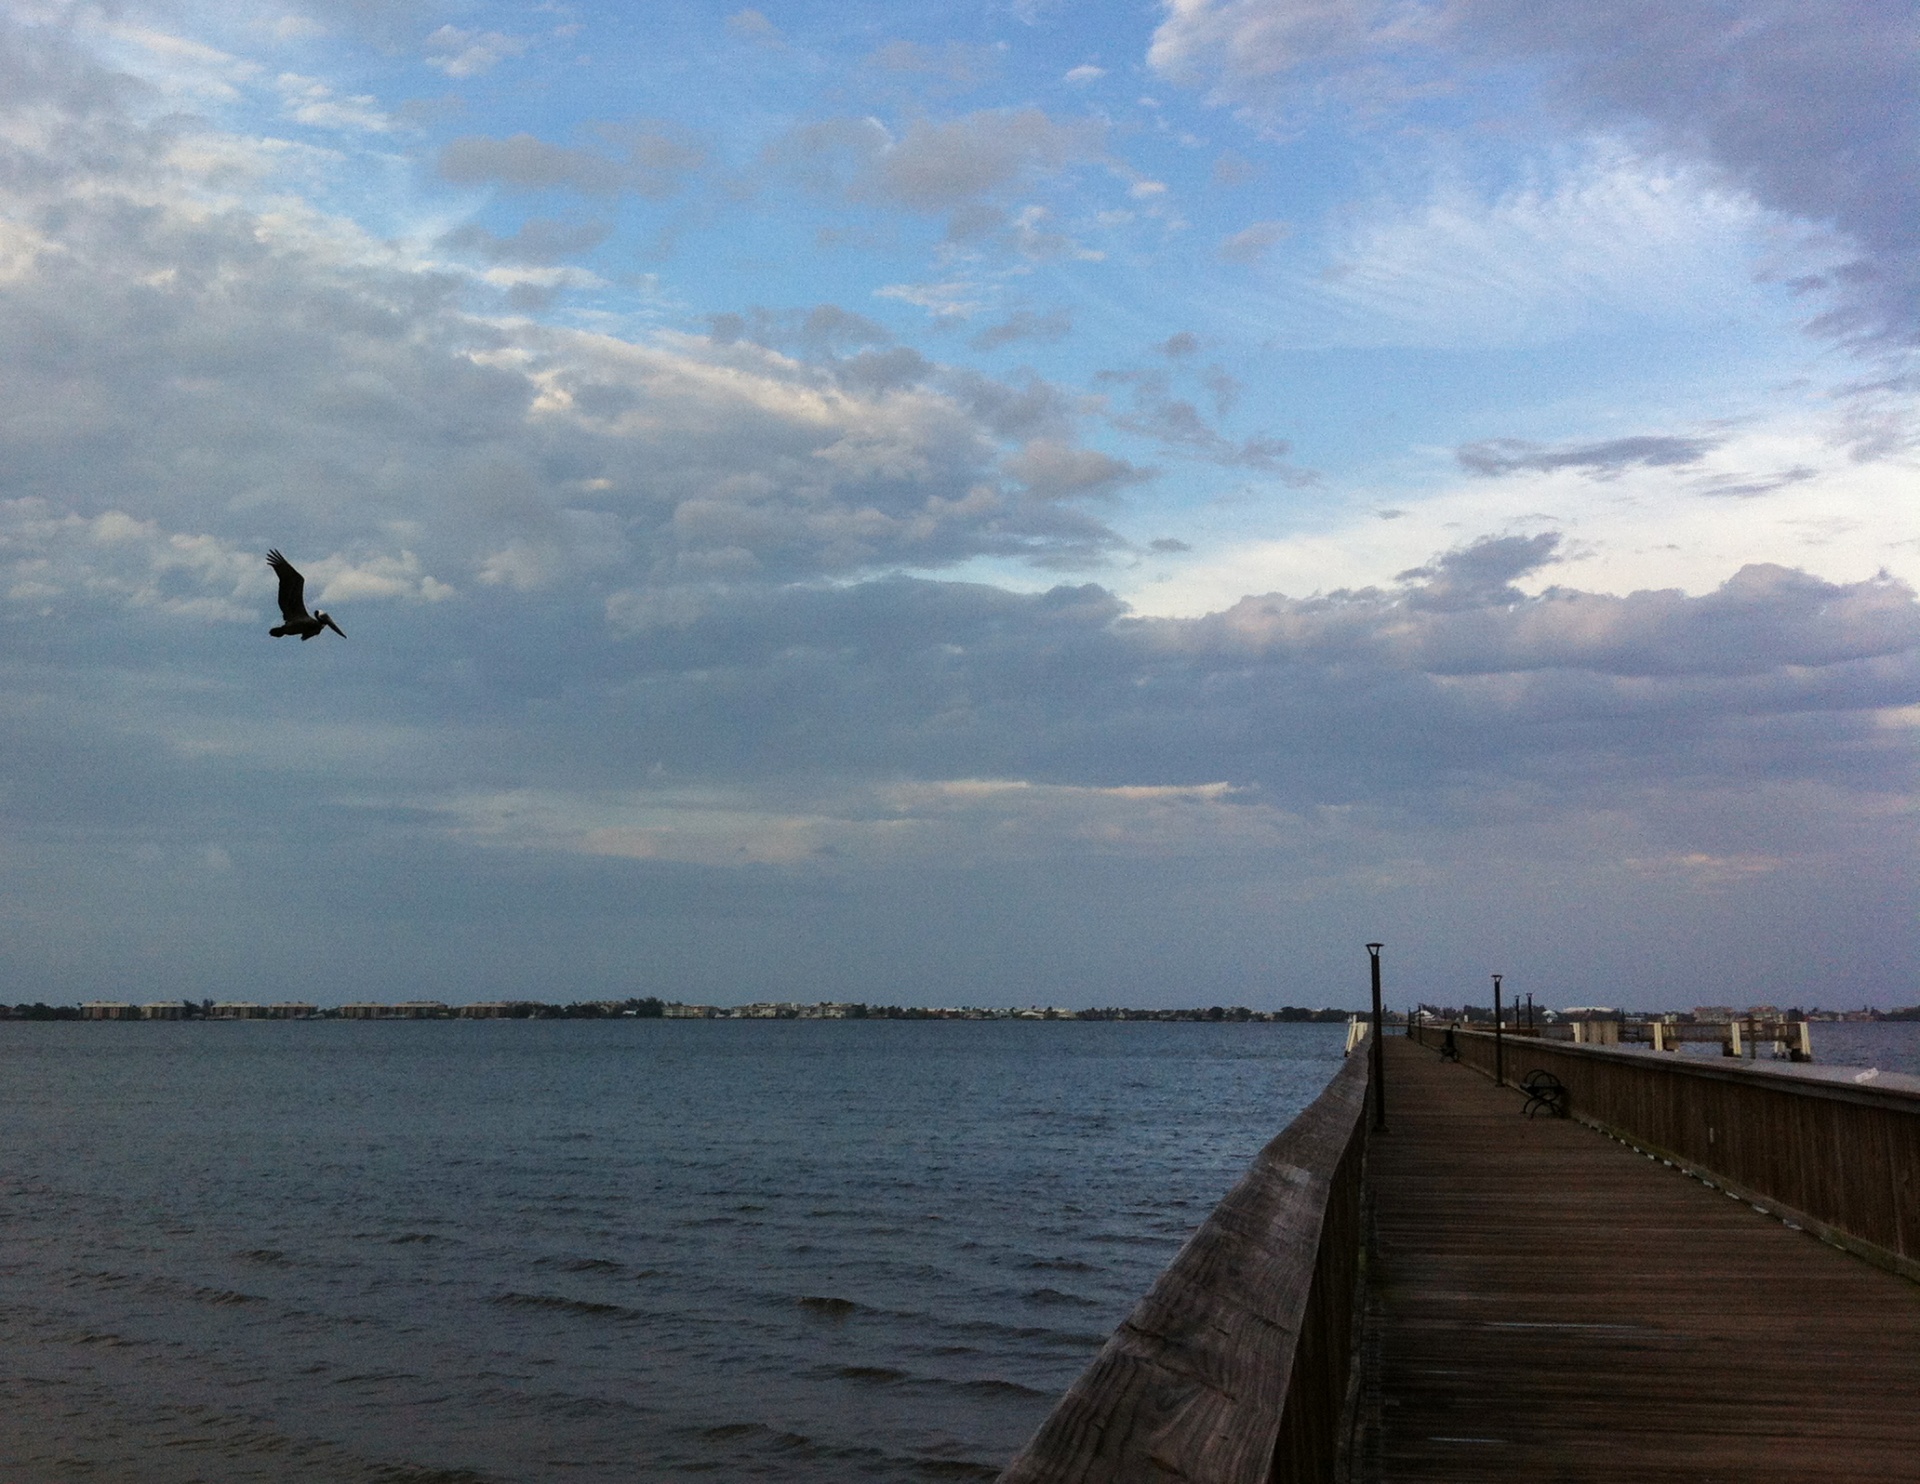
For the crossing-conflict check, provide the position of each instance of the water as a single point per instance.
(1890, 1045)
(589, 1251)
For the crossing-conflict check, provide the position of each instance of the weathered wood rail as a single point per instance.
(1233, 1369)
(1839, 1159)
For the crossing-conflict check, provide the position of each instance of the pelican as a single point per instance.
(293, 604)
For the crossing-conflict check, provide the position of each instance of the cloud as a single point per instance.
(1510, 455)
(936, 166)
(1250, 244)
(1022, 325)
(538, 240)
(1481, 574)
(1812, 108)
(1085, 73)
(462, 54)
(656, 162)
(752, 26)
(955, 62)
(307, 100)
(1178, 425)
(270, 377)
(1598, 236)
(1051, 470)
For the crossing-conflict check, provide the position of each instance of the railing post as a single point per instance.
(1379, 1067)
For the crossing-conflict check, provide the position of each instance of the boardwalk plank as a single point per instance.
(1554, 1307)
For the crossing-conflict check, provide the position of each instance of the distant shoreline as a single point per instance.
(640, 1009)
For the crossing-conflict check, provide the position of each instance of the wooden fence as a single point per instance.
(1234, 1367)
(1840, 1159)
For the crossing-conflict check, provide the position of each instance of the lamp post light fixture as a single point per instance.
(1499, 1045)
(1379, 1053)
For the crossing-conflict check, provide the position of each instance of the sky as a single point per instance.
(961, 503)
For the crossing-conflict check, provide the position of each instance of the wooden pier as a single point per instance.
(1543, 1301)
(1549, 1304)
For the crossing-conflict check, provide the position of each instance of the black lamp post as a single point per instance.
(1499, 1045)
(1379, 1047)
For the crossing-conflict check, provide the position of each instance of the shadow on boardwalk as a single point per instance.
(1549, 1305)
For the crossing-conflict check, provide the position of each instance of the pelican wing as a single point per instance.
(293, 589)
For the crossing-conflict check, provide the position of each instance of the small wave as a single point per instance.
(407, 1239)
(951, 1468)
(560, 1304)
(994, 1386)
(878, 1375)
(832, 1308)
(581, 1264)
(771, 1440)
(198, 1293)
(1075, 1339)
(1061, 1265)
(101, 1278)
(109, 1339)
(267, 1257)
(1055, 1296)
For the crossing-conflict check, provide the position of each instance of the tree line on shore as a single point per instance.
(651, 1008)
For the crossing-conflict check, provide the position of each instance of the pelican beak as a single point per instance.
(327, 619)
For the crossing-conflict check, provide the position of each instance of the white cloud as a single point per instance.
(1251, 244)
(464, 54)
(1601, 239)
(307, 100)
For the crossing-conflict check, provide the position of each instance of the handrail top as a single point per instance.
(1895, 1099)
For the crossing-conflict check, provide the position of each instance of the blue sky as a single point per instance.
(981, 503)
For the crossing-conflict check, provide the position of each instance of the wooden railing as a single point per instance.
(1234, 1367)
(1838, 1158)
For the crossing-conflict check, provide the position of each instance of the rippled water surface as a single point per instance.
(591, 1251)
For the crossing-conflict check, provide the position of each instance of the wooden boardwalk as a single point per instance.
(1548, 1306)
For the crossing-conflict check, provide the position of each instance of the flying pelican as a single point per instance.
(293, 604)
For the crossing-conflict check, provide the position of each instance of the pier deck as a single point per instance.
(1549, 1306)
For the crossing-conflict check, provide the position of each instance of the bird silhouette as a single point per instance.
(293, 604)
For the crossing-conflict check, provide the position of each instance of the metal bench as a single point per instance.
(1545, 1093)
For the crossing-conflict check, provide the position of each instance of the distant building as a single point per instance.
(164, 1010)
(362, 1011)
(1713, 1014)
(237, 1010)
(678, 1011)
(487, 1010)
(109, 1010)
(292, 1010)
